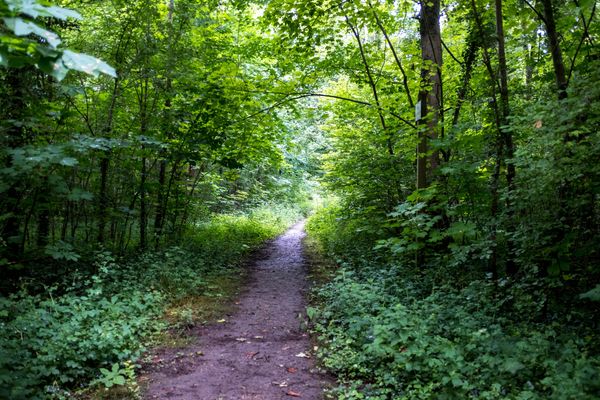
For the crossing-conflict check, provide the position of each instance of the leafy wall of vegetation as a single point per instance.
(468, 269)
(131, 184)
(62, 338)
(477, 253)
(389, 331)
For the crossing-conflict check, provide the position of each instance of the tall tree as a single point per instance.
(505, 133)
(430, 93)
(557, 58)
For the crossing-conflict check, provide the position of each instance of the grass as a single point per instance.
(204, 309)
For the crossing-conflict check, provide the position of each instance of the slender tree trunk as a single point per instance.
(103, 195)
(430, 98)
(143, 103)
(470, 55)
(511, 267)
(161, 203)
(43, 220)
(16, 83)
(143, 210)
(104, 167)
(557, 59)
(497, 148)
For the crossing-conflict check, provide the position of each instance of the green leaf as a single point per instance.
(68, 162)
(33, 9)
(593, 295)
(513, 366)
(21, 27)
(59, 12)
(85, 63)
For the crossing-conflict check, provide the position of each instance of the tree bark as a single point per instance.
(557, 59)
(161, 198)
(104, 166)
(430, 96)
(511, 267)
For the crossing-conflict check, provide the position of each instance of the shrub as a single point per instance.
(50, 342)
(389, 331)
(47, 342)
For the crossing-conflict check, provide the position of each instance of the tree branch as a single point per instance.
(585, 35)
(451, 54)
(539, 14)
(361, 49)
(392, 48)
(293, 96)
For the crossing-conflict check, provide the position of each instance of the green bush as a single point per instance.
(47, 343)
(50, 342)
(389, 331)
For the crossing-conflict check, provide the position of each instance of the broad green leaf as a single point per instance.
(34, 9)
(59, 13)
(68, 161)
(593, 295)
(21, 27)
(85, 63)
(119, 380)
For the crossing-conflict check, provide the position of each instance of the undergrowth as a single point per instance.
(389, 331)
(94, 328)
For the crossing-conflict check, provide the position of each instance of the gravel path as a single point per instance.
(261, 351)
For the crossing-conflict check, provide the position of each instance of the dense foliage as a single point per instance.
(132, 184)
(468, 269)
(457, 142)
(68, 334)
(390, 332)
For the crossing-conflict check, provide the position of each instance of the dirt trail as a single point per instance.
(258, 353)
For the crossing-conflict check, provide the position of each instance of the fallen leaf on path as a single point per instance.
(241, 339)
(259, 337)
(293, 394)
(280, 384)
(252, 354)
(292, 370)
(303, 355)
(221, 320)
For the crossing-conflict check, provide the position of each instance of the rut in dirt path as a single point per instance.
(259, 352)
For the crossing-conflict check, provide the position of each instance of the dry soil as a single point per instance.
(261, 351)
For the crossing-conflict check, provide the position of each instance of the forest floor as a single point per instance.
(261, 350)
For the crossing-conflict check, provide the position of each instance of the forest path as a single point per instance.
(260, 352)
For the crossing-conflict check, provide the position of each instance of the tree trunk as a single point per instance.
(104, 165)
(506, 136)
(430, 98)
(557, 60)
(103, 195)
(161, 203)
(143, 210)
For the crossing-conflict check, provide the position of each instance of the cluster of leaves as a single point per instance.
(48, 343)
(25, 42)
(388, 331)
(181, 131)
(95, 327)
